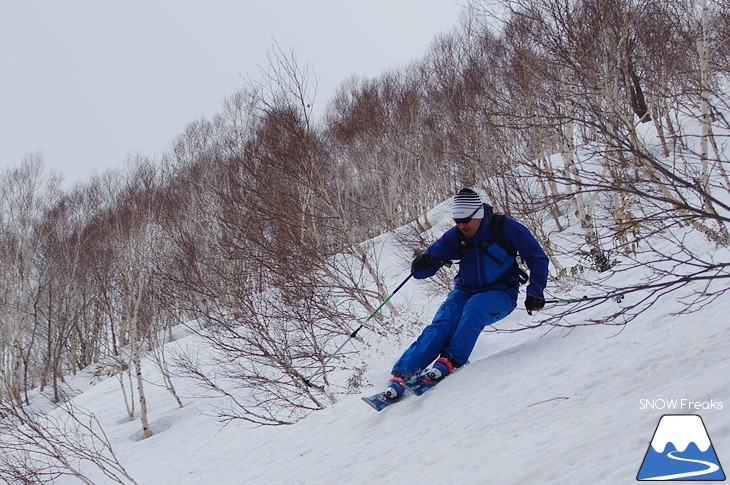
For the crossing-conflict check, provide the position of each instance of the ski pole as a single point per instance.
(445, 262)
(354, 334)
(568, 300)
(561, 300)
(618, 298)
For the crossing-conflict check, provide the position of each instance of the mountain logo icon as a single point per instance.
(681, 450)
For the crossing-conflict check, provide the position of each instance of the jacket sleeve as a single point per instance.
(531, 253)
(446, 248)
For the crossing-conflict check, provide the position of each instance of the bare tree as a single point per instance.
(131, 238)
(39, 448)
(625, 190)
(25, 195)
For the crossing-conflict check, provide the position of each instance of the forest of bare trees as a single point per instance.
(609, 117)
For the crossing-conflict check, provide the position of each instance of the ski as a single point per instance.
(420, 384)
(379, 401)
(415, 385)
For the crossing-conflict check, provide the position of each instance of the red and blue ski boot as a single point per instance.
(430, 377)
(392, 394)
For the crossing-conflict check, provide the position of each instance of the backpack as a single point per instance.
(497, 255)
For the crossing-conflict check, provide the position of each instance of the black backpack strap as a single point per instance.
(497, 222)
(504, 244)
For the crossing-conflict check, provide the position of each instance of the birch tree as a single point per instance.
(132, 240)
(25, 195)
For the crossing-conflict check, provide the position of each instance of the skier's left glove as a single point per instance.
(421, 263)
(534, 303)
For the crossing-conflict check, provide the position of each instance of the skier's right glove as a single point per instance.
(421, 263)
(534, 303)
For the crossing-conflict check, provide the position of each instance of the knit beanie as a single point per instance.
(467, 203)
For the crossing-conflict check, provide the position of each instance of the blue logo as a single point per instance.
(681, 450)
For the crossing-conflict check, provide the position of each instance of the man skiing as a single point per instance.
(485, 288)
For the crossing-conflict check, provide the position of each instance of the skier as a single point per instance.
(485, 288)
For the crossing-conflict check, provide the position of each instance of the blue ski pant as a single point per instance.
(455, 329)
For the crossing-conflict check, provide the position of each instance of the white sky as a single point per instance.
(89, 82)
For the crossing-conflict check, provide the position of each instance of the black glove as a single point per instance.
(534, 303)
(421, 263)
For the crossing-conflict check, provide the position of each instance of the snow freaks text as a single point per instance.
(687, 405)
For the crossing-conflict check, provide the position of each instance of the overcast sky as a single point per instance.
(88, 82)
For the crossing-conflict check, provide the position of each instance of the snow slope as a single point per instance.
(541, 406)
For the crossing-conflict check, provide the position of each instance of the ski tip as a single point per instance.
(373, 404)
(380, 401)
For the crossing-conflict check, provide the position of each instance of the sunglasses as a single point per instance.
(466, 220)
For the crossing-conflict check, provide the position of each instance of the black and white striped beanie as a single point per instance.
(467, 203)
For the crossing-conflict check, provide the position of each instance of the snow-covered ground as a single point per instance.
(541, 406)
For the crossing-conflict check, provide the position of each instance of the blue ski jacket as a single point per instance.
(486, 265)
